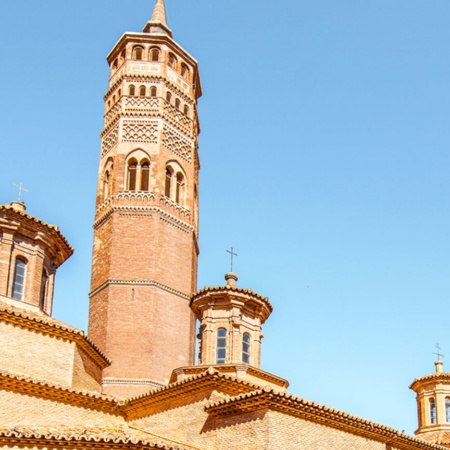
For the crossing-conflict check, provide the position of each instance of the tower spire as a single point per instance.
(158, 22)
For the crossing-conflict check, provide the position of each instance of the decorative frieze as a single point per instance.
(177, 143)
(110, 140)
(140, 131)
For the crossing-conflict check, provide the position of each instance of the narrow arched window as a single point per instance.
(145, 176)
(109, 104)
(172, 61)
(179, 194)
(154, 54)
(115, 64)
(168, 182)
(19, 279)
(221, 351)
(120, 93)
(184, 71)
(177, 103)
(132, 172)
(153, 91)
(432, 411)
(132, 90)
(142, 91)
(186, 110)
(43, 289)
(123, 55)
(106, 181)
(114, 99)
(137, 53)
(168, 97)
(246, 348)
(447, 409)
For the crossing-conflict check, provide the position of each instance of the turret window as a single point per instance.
(132, 90)
(19, 279)
(153, 91)
(447, 409)
(168, 97)
(180, 188)
(432, 411)
(137, 53)
(246, 348)
(142, 91)
(43, 295)
(221, 350)
(177, 103)
(154, 54)
(168, 182)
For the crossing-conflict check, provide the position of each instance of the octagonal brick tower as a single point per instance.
(145, 250)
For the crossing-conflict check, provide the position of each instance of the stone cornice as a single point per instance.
(442, 377)
(268, 399)
(47, 325)
(92, 400)
(117, 281)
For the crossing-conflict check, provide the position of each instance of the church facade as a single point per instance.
(134, 380)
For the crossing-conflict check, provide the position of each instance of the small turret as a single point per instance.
(433, 404)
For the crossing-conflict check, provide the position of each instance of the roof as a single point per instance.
(90, 435)
(52, 230)
(227, 289)
(41, 323)
(441, 376)
(314, 412)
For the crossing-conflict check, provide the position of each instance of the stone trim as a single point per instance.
(117, 281)
(52, 327)
(268, 399)
(133, 381)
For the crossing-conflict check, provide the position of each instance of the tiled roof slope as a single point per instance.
(51, 326)
(304, 409)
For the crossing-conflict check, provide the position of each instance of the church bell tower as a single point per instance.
(145, 250)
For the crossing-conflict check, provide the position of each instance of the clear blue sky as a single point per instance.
(325, 164)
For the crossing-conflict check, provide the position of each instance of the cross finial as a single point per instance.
(438, 353)
(231, 255)
(20, 189)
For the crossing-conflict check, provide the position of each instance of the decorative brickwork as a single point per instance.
(144, 131)
(110, 140)
(177, 144)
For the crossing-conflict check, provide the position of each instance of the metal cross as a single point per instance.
(439, 354)
(20, 188)
(231, 254)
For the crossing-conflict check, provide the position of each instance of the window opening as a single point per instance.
(168, 182)
(246, 348)
(153, 91)
(19, 279)
(432, 411)
(132, 90)
(142, 91)
(132, 169)
(180, 187)
(43, 290)
(154, 54)
(145, 176)
(177, 103)
(138, 53)
(221, 352)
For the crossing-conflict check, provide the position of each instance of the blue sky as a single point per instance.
(324, 152)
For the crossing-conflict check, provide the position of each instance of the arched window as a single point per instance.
(432, 411)
(177, 103)
(115, 64)
(137, 53)
(447, 409)
(123, 55)
(106, 181)
(246, 348)
(186, 110)
(153, 91)
(43, 289)
(132, 172)
(168, 182)
(109, 104)
(168, 97)
(172, 61)
(221, 352)
(114, 99)
(184, 71)
(154, 54)
(179, 194)
(19, 279)
(120, 93)
(142, 91)
(145, 176)
(132, 90)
